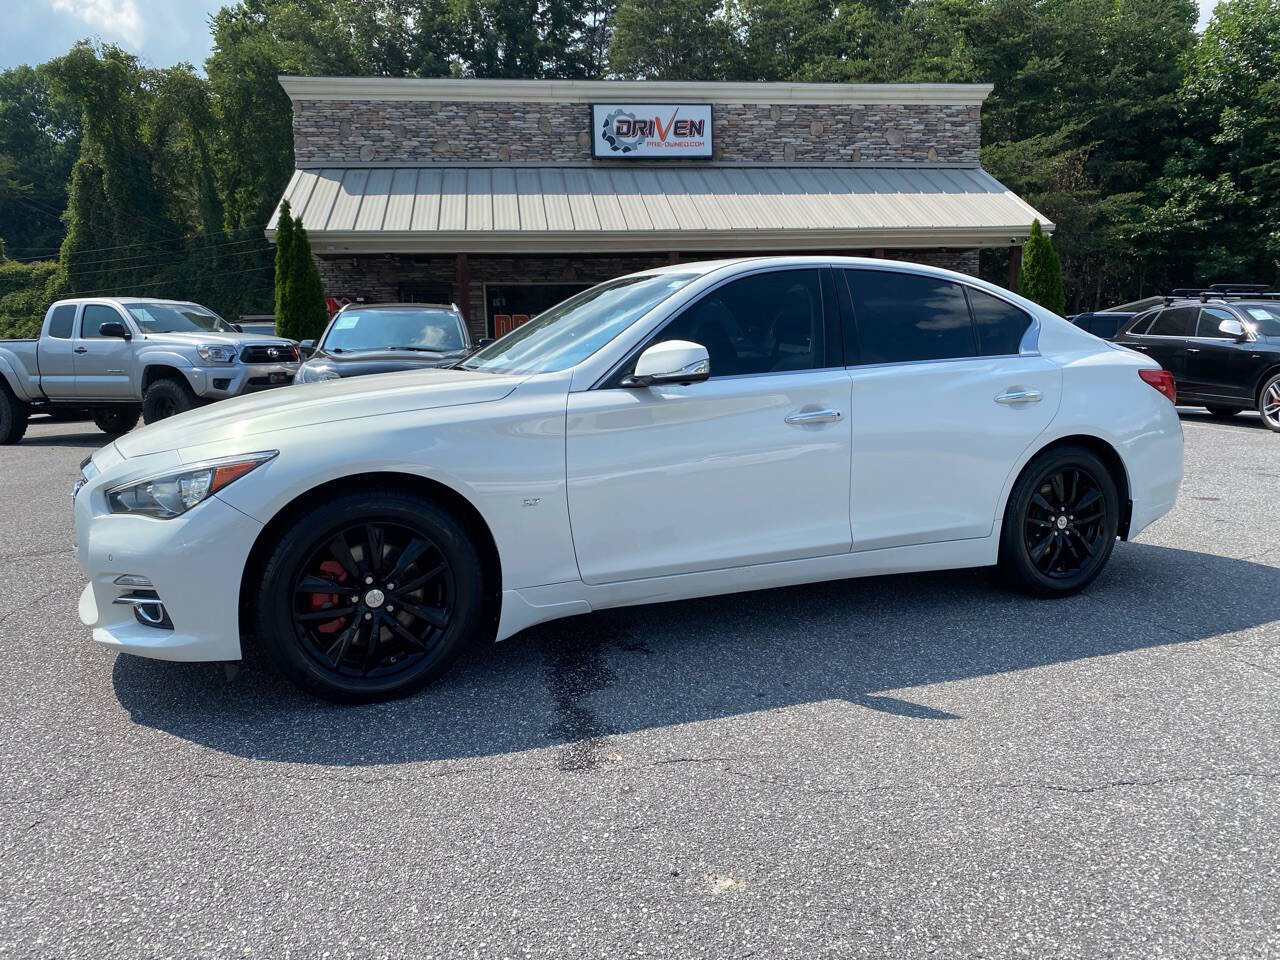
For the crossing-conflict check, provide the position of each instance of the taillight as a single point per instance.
(1162, 380)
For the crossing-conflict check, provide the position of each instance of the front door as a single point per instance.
(944, 403)
(1216, 365)
(103, 364)
(750, 466)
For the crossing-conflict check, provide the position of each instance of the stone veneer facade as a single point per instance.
(343, 132)
(381, 279)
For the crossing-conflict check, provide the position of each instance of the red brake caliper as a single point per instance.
(319, 601)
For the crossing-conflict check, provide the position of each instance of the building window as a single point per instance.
(508, 305)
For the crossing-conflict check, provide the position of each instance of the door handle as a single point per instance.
(1193, 349)
(82, 350)
(1019, 396)
(814, 416)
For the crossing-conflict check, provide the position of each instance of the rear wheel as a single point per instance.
(166, 398)
(370, 596)
(1224, 413)
(13, 415)
(1060, 524)
(116, 420)
(1269, 403)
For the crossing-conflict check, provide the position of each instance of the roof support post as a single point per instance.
(464, 287)
(1015, 267)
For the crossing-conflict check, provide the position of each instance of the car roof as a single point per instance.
(450, 307)
(125, 301)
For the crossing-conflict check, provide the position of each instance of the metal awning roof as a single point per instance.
(548, 209)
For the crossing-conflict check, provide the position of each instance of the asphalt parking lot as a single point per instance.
(896, 767)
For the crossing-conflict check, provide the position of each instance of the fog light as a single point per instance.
(221, 383)
(147, 609)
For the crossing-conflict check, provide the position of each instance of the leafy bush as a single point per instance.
(1041, 276)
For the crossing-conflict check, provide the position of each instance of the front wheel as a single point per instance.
(1269, 403)
(116, 420)
(369, 596)
(1060, 524)
(166, 398)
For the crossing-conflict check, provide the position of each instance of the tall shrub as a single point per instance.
(307, 290)
(285, 324)
(1041, 276)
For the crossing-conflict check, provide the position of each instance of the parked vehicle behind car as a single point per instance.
(369, 338)
(1222, 345)
(1102, 323)
(697, 429)
(121, 357)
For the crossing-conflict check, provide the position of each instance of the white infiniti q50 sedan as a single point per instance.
(698, 429)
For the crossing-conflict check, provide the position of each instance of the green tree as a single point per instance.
(305, 288)
(1041, 277)
(672, 40)
(287, 323)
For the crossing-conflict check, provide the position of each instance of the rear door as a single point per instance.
(1215, 364)
(944, 404)
(102, 363)
(1166, 339)
(56, 356)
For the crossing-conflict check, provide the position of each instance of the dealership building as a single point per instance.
(505, 196)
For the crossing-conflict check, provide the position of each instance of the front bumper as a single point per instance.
(233, 380)
(194, 562)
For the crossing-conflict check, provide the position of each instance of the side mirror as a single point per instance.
(1233, 328)
(483, 342)
(113, 328)
(672, 361)
(308, 347)
(237, 328)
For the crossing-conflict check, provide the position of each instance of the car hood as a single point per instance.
(303, 405)
(228, 339)
(381, 361)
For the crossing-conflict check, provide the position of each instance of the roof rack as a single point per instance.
(1223, 291)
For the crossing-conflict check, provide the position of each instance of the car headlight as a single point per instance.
(312, 372)
(216, 353)
(168, 495)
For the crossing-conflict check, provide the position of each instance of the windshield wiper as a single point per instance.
(423, 350)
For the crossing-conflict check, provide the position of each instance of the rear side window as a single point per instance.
(901, 316)
(95, 315)
(1001, 325)
(63, 321)
(1175, 322)
(1142, 322)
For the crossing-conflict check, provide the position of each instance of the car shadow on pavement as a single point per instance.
(571, 683)
(89, 441)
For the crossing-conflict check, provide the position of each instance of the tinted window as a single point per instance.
(760, 324)
(1001, 325)
(1175, 322)
(1210, 318)
(95, 315)
(62, 321)
(902, 316)
(1143, 321)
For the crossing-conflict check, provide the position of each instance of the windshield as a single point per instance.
(573, 330)
(177, 318)
(1265, 318)
(402, 328)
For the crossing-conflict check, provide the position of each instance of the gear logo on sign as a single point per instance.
(617, 142)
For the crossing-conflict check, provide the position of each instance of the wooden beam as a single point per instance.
(1015, 267)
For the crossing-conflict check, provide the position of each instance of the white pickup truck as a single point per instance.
(122, 357)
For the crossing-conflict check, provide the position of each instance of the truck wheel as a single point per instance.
(166, 398)
(13, 415)
(116, 420)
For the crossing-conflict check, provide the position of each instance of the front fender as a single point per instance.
(150, 357)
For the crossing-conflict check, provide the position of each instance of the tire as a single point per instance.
(357, 656)
(13, 415)
(166, 398)
(1058, 532)
(1269, 403)
(1224, 413)
(116, 420)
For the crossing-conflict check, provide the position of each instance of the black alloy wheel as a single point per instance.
(373, 605)
(1061, 523)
